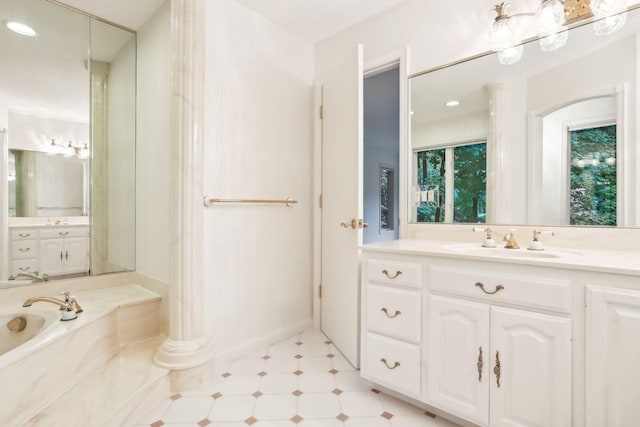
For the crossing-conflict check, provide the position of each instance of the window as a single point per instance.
(593, 176)
(457, 174)
(386, 199)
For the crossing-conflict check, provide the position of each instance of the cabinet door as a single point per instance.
(75, 255)
(459, 358)
(534, 353)
(613, 355)
(52, 256)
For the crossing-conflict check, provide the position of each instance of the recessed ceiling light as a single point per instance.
(20, 28)
(452, 103)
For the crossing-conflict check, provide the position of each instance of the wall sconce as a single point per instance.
(551, 20)
(79, 151)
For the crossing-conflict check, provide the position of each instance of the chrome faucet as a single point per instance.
(69, 307)
(511, 240)
(34, 277)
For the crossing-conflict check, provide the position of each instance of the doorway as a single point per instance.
(381, 157)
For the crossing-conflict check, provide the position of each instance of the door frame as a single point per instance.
(399, 57)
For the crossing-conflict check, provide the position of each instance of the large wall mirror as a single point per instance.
(548, 140)
(67, 115)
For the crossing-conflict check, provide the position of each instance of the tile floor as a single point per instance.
(302, 381)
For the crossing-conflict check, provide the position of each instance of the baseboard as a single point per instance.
(262, 342)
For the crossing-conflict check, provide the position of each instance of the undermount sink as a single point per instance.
(500, 252)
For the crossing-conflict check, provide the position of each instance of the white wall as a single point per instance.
(457, 129)
(153, 252)
(33, 133)
(258, 108)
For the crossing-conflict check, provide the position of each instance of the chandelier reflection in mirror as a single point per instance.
(551, 21)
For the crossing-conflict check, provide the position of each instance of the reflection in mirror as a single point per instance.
(558, 130)
(67, 101)
(45, 185)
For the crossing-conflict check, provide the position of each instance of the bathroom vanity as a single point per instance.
(54, 250)
(503, 337)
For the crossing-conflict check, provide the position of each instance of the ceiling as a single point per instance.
(312, 20)
(315, 20)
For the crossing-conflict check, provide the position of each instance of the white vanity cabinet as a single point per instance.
(64, 251)
(24, 251)
(613, 357)
(494, 343)
(518, 361)
(391, 353)
(52, 250)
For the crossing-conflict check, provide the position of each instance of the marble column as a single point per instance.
(99, 171)
(498, 153)
(187, 352)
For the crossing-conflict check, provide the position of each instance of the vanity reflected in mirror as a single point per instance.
(549, 140)
(67, 110)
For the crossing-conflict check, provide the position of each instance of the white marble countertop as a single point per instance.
(605, 261)
(48, 225)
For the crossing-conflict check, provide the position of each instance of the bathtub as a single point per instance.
(33, 322)
(49, 357)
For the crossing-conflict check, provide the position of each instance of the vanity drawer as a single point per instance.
(24, 234)
(543, 293)
(64, 232)
(394, 364)
(23, 266)
(23, 249)
(396, 272)
(394, 312)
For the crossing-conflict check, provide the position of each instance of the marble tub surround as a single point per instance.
(301, 381)
(54, 361)
(113, 393)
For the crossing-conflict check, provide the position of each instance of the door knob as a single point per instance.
(355, 224)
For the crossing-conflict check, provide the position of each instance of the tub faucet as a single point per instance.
(69, 307)
(34, 277)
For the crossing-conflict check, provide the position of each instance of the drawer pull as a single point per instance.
(386, 273)
(480, 364)
(24, 268)
(396, 314)
(481, 286)
(63, 233)
(24, 249)
(395, 365)
(24, 235)
(496, 369)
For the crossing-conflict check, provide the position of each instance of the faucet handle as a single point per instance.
(72, 304)
(488, 240)
(536, 244)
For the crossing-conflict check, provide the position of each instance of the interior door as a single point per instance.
(342, 204)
